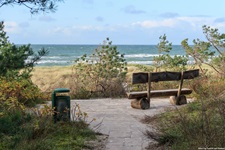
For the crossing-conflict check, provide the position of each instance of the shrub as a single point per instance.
(198, 125)
(16, 94)
(101, 74)
(37, 130)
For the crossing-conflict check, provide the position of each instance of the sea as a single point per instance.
(65, 55)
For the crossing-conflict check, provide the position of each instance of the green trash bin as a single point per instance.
(61, 104)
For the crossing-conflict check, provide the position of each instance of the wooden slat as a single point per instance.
(142, 77)
(137, 95)
(158, 93)
(190, 74)
(165, 76)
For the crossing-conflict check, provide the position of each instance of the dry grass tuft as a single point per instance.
(49, 78)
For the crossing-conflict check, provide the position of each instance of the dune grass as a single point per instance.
(49, 78)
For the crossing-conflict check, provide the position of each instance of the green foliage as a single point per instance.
(165, 60)
(16, 61)
(211, 52)
(199, 124)
(144, 68)
(17, 94)
(37, 130)
(102, 73)
(10, 121)
(34, 6)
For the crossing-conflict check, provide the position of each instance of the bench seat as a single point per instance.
(157, 93)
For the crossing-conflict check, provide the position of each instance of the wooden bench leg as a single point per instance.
(178, 100)
(140, 103)
(182, 100)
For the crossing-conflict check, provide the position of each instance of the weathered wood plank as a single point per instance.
(165, 76)
(158, 93)
(142, 77)
(190, 74)
(139, 78)
(137, 95)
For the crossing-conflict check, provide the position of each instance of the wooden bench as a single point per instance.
(142, 98)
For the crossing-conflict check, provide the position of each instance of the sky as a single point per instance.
(133, 22)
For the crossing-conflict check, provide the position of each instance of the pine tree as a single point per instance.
(35, 6)
(16, 61)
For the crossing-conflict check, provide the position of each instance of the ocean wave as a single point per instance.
(53, 62)
(59, 57)
(140, 62)
(145, 55)
(140, 55)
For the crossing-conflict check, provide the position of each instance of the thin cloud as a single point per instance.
(169, 15)
(60, 30)
(12, 27)
(132, 10)
(70, 30)
(194, 22)
(155, 24)
(219, 20)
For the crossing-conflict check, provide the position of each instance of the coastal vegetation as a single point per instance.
(22, 124)
(201, 123)
(105, 73)
(101, 73)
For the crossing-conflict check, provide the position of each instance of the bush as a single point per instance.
(101, 74)
(19, 130)
(16, 94)
(198, 125)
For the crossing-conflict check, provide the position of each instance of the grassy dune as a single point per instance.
(49, 78)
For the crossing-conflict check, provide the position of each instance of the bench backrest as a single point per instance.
(143, 77)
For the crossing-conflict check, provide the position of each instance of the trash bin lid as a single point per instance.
(61, 90)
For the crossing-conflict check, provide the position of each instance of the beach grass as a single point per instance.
(49, 78)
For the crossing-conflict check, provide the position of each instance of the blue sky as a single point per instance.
(123, 21)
